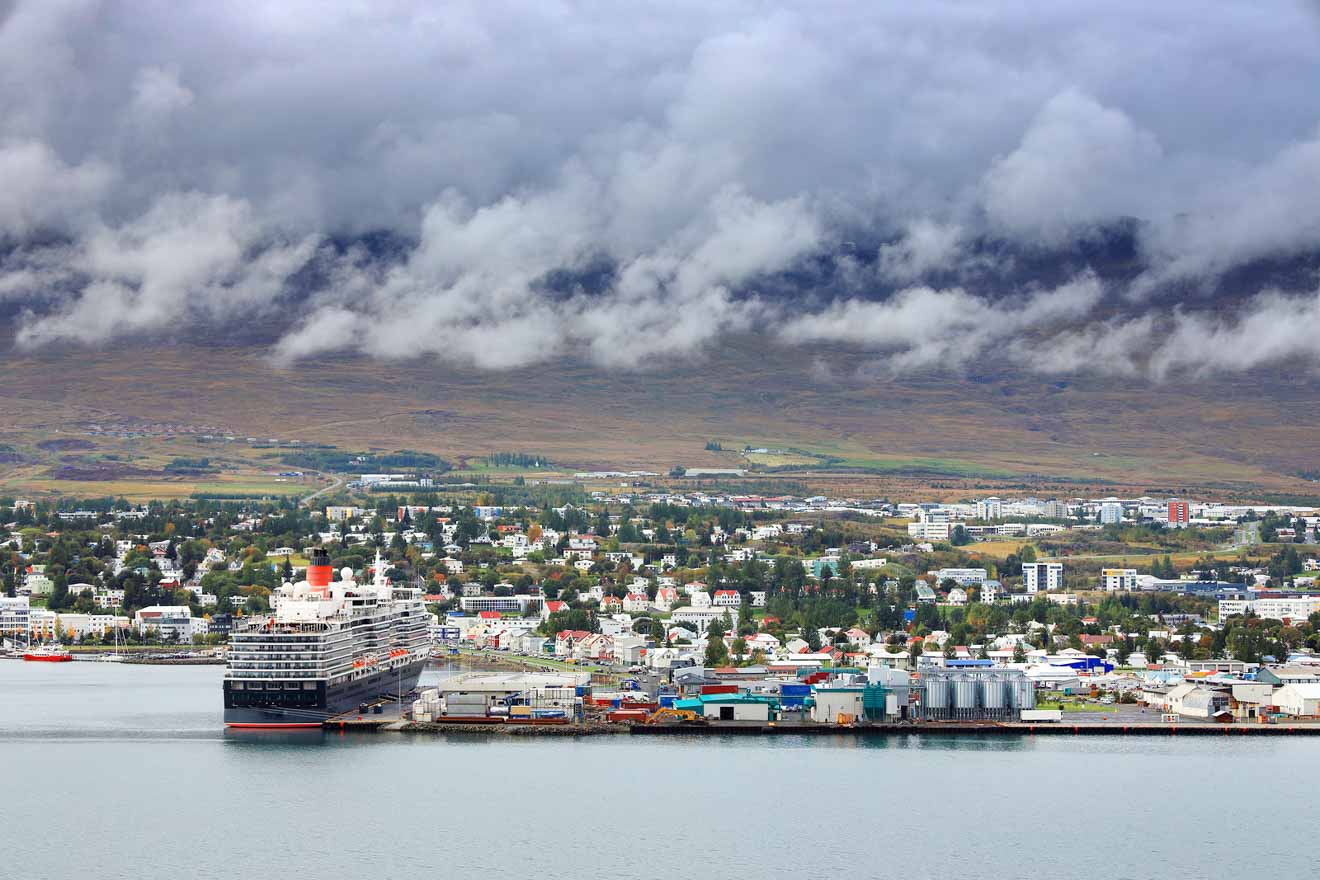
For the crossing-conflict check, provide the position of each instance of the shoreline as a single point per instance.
(941, 728)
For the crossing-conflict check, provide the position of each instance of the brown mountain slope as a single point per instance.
(1235, 434)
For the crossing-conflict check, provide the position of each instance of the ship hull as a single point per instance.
(309, 708)
(48, 658)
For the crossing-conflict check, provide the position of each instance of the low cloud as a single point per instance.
(189, 258)
(205, 163)
(39, 190)
(472, 291)
(921, 328)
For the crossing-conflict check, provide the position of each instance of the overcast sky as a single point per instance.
(190, 157)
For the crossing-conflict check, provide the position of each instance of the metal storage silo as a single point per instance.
(1015, 692)
(935, 696)
(1025, 691)
(993, 696)
(965, 689)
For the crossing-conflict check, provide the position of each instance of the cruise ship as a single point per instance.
(325, 648)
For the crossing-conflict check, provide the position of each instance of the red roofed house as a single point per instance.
(726, 599)
(610, 604)
(636, 603)
(550, 606)
(594, 647)
(568, 639)
(666, 598)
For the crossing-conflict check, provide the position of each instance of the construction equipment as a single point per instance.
(685, 716)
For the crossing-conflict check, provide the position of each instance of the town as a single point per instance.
(715, 608)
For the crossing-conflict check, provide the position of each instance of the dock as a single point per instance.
(953, 728)
(390, 721)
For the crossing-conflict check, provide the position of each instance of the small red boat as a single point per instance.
(48, 654)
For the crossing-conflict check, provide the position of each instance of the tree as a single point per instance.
(1019, 654)
(812, 638)
(59, 593)
(739, 647)
(1154, 651)
(717, 653)
(1124, 652)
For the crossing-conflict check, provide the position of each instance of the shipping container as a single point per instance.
(719, 689)
(628, 716)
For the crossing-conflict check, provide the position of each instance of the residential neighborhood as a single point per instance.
(672, 581)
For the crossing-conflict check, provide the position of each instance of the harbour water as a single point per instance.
(123, 771)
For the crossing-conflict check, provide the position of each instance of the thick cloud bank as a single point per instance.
(625, 181)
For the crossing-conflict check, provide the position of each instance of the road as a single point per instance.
(338, 481)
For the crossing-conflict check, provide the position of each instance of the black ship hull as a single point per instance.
(304, 706)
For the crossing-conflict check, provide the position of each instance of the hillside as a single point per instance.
(997, 429)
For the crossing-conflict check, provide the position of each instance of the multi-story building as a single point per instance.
(699, 618)
(1111, 512)
(170, 623)
(869, 564)
(15, 616)
(989, 508)
(930, 530)
(43, 624)
(80, 626)
(1114, 579)
(523, 605)
(1271, 607)
(1179, 513)
(108, 598)
(35, 581)
(1056, 510)
(1037, 576)
(967, 577)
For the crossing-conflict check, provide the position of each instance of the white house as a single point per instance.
(666, 598)
(166, 622)
(699, 618)
(869, 564)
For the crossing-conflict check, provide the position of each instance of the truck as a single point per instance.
(1038, 715)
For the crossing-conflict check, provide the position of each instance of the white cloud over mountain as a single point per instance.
(165, 165)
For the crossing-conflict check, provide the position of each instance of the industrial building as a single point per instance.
(483, 693)
(974, 695)
(731, 707)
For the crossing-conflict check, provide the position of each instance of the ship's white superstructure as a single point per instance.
(327, 644)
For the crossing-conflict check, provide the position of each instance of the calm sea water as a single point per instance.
(115, 771)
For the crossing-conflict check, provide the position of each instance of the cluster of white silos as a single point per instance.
(974, 694)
